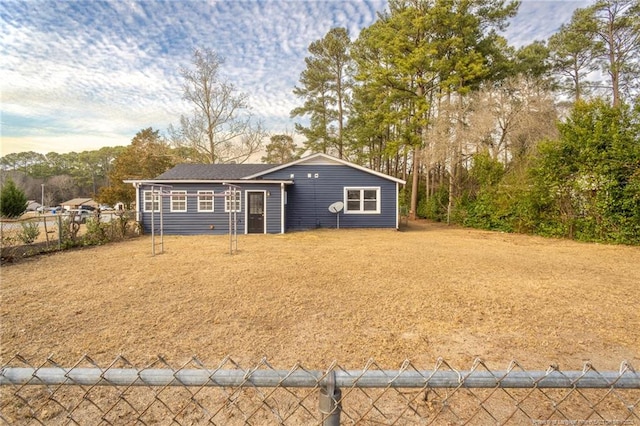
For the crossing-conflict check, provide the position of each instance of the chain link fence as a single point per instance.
(36, 233)
(230, 394)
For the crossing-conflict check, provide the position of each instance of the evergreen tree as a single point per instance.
(13, 202)
(616, 25)
(588, 181)
(423, 52)
(574, 50)
(281, 150)
(326, 85)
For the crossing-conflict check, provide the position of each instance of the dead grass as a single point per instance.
(315, 297)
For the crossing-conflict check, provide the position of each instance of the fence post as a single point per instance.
(330, 404)
(59, 230)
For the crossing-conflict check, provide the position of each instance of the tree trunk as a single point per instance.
(427, 180)
(450, 203)
(414, 183)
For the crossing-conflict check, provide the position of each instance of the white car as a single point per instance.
(80, 215)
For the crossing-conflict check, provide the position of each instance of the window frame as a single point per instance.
(201, 199)
(227, 201)
(362, 199)
(177, 198)
(148, 198)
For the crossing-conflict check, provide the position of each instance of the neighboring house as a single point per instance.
(33, 205)
(266, 198)
(76, 203)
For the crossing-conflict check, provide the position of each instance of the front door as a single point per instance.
(255, 222)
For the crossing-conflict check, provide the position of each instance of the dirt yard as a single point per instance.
(321, 296)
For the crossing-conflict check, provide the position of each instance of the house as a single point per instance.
(265, 198)
(77, 203)
(33, 205)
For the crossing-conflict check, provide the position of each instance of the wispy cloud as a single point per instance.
(539, 19)
(77, 75)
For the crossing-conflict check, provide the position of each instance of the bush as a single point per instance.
(29, 233)
(96, 232)
(435, 207)
(13, 202)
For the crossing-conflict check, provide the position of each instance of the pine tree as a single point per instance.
(325, 86)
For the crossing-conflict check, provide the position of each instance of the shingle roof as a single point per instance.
(213, 171)
(79, 202)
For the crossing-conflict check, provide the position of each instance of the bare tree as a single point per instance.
(510, 119)
(219, 128)
(61, 188)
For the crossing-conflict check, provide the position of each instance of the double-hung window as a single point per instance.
(178, 201)
(364, 200)
(205, 201)
(232, 201)
(151, 201)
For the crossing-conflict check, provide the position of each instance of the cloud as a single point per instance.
(539, 19)
(109, 67)
(99, 71)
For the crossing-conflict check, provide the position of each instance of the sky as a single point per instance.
(77, 75)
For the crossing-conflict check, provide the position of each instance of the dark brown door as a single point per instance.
(256, 213)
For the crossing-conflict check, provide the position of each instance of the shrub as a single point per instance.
(29, 233)
(434, 207)
(96, 233)
(13, 202)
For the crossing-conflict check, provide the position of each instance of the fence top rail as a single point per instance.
(590, 379)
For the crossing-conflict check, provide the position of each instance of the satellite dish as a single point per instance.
(336, 207)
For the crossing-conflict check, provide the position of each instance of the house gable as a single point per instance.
(319, 184)
(321, 159)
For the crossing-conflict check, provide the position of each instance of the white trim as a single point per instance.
(180, 196)
(155, 199)
(283, 194)
(321, 158)
(362, 200)
(138, 206)
(209, 193)
(213, 181)
(397, 206)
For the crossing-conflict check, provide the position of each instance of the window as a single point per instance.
(232, 201)
(178, 201)
(362, 200)
(205, 201)
(151, 201)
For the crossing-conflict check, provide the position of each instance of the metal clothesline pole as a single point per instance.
(153, 228)
(157, 197)
(233, 217)
(230, 194)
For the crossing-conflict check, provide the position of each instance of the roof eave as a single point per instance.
(218, 181)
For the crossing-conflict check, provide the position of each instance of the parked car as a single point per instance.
(86, 207)
(80, 215)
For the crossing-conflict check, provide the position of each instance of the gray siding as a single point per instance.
(193, 222)
(309, 198)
